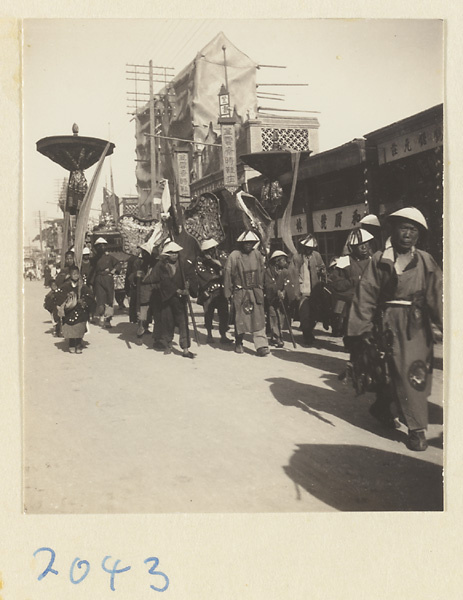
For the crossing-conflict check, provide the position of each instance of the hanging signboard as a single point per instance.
(183, 174)
(230, 174)
(298, 225)
(410, 143)
(340, 218)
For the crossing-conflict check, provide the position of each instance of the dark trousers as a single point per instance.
(306, 318)
(173, 314)
(276, 320)
(104, 295)
(133, 318)
(221, 304)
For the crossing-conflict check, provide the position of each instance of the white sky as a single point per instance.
(362, 75)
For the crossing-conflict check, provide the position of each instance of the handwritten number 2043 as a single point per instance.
(81, 568)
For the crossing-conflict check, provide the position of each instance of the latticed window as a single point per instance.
(291, 138)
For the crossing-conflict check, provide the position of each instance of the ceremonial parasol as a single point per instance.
(75, 154)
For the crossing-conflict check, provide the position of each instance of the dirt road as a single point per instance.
(123, 428)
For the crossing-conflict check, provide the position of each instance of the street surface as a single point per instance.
(122, 428)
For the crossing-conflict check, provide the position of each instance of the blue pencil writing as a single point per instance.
(153, 571)
(113, 571)
(79, 564)
(49, 567)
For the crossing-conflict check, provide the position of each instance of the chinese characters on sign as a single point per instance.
(411, 143)
(298, 225)
(340, 218)
(224, 105)
(230, 175)
(183, 171)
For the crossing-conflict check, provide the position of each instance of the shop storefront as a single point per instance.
(409, 171)
(332, 192)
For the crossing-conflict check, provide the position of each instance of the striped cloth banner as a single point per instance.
(82, 219)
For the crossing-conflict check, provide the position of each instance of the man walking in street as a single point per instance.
(277, 289)
(104, 267)
(209, 270)
(243, 283)
(307, 269)
(173, 278)
(398, 297)
(345, 275)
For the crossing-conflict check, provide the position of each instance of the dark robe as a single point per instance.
(103, 280)
(166, 279)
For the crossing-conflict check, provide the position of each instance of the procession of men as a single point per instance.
(383, 304)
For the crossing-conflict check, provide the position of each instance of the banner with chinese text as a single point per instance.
(183, 174)
(230, 175)
(337, 219)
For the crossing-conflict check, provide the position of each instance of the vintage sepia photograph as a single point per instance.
(232, 265)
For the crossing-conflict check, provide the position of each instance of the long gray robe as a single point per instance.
(243, 281)
(412, 348)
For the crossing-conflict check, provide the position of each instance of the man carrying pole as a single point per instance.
(173, 280)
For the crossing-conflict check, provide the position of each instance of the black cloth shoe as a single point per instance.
(187, 354)
(417, 441)
(239, 348)
(167, 350)
(210, 339)
(225, 340)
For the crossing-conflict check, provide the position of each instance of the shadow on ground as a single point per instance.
(323, 362)
(321, 401)
(127, 332)
(358, 478)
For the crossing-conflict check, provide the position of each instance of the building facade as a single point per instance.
(396, 166)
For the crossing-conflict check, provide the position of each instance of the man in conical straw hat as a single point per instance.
(345, 276)
(243, 284)
(172, 283)
(306, 271)
(276, 287)
(209, 270)
(105, 266)
(398, 297)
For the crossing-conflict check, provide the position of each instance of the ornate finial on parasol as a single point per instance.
(75, 129)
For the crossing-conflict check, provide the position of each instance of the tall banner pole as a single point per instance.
(286, 220)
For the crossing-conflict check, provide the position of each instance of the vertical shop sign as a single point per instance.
(183, 173)
(230, 175)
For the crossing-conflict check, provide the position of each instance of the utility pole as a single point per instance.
(139, 74)
(156, 103)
